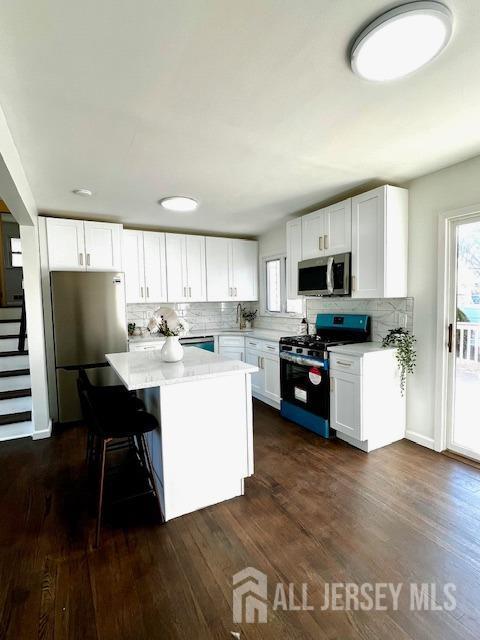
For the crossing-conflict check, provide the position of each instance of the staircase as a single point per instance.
(15, 391)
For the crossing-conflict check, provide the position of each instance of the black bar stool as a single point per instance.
(108, 422)
(116, 395)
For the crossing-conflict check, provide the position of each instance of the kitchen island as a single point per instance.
(203, 450)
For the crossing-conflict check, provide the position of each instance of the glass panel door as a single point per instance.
(464, 341)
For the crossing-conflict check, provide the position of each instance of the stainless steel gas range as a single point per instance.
(304, 368)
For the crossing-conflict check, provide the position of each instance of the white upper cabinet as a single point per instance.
(232, 269)
(313, 231)
(103, 246)
(294, 256)
(134, 266)
(186, 275)
(338, 228)
(245, 269)
(380, 243)
(66, 245)
(145, 266)
(327, 231)
(155, 266)
(77, 245)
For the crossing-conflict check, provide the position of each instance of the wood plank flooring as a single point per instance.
(315, 512)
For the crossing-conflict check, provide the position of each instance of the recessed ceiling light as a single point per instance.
(179, 203)
(85, 193)
(401, 41)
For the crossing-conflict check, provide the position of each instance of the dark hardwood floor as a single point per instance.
(315, 512)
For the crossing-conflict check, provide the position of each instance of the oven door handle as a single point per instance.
(305, 360)
(330, 275)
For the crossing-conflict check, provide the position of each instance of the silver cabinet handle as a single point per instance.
(184, 292)
(325, 241)
(263, 360)
(88, 259)
(80, 259)
(141, 292)
(235, 291)
(344, 364)
(320, 243)
(258, 362)
(189, 292)
(148, 292)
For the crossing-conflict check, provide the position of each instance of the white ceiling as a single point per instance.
(249, 106)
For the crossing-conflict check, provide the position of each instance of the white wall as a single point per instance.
(451, 188)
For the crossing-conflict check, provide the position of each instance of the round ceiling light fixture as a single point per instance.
(179, 203)
(401, 41)
(84, 193)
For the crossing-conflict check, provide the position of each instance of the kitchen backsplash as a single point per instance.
(386, 314)
(199, 315)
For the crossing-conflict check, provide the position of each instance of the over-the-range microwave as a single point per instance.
(325, 276)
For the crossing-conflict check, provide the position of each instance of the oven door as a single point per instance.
(305, 383)
(325, 276)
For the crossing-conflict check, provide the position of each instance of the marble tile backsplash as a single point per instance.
(200, 316)
(386, 313)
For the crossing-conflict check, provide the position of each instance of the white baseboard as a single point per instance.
(420, 439)
(43, 433)
(272, 403)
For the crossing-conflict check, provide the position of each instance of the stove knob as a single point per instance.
(299, 350)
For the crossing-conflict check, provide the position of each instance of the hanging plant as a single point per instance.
(404, 342)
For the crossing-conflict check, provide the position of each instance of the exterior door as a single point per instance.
(463, 433)
(66, 245)
(155, 267)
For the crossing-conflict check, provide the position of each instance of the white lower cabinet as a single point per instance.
(271, 369)
(367, 409)
(258, 379)
(266, 382)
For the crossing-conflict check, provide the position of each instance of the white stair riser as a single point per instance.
(9, 328)
(15, 405)
(6, 313)
(16, 430)
(10, 344)
(11, 383)
(13, 363)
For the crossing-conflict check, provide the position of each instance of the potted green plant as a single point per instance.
(404, 342)
(248, 317)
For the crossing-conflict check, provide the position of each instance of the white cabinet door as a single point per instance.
(232, 353)
(245, 269)
(338, 228)
(66, 245)
(368, 248)
(346, 403)
(271, 370)
(103, 246)
(177, 282)
(258, 379)
(196, 273)
(218, 264)
(294, 256)
(133, 265)
(155, 266)
(313, 231)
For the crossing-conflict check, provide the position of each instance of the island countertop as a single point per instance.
(146, 369)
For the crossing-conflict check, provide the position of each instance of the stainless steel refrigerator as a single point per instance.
(89, 320)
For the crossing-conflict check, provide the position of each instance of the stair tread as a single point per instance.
(12, 418)
(10, 336)
(5, 320)
(14, 372)
(4, 354)
(15, 393)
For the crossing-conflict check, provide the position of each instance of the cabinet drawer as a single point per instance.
(149, 346)
(252, 343)
(349, 364)
(270, 347)
(231, 341)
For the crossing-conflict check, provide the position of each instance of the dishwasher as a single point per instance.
(205, 342)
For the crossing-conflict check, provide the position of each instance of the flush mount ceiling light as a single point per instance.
(401, 41)
(179, 203)
(85, 193)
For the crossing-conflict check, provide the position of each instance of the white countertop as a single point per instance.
(144, 369)
(261, 334)
(358, 349)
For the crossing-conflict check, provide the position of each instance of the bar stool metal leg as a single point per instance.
(103, 453)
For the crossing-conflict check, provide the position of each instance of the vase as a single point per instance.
(172, 350)
(248, 324)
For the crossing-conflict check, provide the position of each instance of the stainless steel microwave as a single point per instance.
(325, 276)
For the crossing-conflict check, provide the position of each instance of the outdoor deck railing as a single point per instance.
(468, 341)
